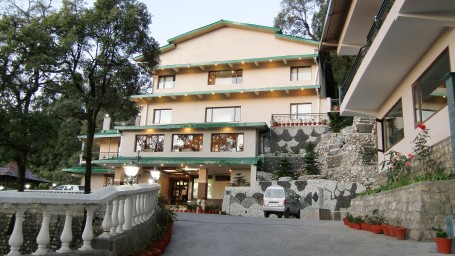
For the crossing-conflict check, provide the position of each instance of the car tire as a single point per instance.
(266, 214)
(297, 216)
(280, 215)
(286, 214)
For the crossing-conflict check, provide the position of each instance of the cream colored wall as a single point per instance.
(193, 111)
(249, 150)
(97, 182)
(230, 44)
(218, 189)
(245, 174)
(108, 146)
(438, 124)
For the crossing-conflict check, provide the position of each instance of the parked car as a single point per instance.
(70, 188)
(281, 201)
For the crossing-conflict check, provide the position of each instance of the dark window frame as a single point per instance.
(297, 67)
(164, 77)
(236, 146)
(236, 108)
(195, 135)
(160, 109)
(149, 135)
(385, 135)
(211, 80)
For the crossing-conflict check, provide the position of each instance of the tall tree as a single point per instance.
(100, 43)
(304, 18)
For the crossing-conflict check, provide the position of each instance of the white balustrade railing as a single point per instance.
(125, 206)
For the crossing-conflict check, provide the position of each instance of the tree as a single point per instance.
(310, 160)
(304, 18)
(239, 181)
(285, 169)
(99, 45)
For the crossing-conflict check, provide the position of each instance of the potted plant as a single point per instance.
(375, 221)
(443, 243)
(356, 222)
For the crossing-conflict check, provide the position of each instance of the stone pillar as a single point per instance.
(449, 80)
(107, 123)
(202, 187)
(253, 172)
(119, 176)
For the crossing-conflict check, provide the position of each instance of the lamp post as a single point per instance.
(155, 174)
(27, 186)
(1, 188)
(131, 170)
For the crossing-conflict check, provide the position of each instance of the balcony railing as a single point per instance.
(378, 21)
(124, 208)
(99, 156)
(299, 119)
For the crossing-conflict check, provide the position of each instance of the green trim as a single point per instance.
(221, 23)
(95, 170)
(182, 160)
(103, 134)
(297, 39)
(251, 60)
(278, 88)
(194, 125)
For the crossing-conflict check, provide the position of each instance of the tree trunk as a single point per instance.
(91, 127)
(21, 167)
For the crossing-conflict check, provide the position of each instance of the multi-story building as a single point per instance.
(212, 100)
(404, 71)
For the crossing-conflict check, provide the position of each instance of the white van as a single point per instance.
(70, 188)
(281, 201)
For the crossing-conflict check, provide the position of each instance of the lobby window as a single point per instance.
(393, 126)
(162, 116)
(225, 77)
(228, 114)
(187, 142)
(430, 94)
(227, 142)
(300, 110)
(166, 82)
(149, 143)
(300, 73)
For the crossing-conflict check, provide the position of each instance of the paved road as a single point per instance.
(220, 235)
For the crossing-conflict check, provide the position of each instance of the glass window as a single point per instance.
(227, 142)
(162, 116)
(299, 110)
(166, 82)
(187, 142)
(225, 77)
(429, 91)
(300, 73)
(149, 143)
(228, 114)
(393, 127)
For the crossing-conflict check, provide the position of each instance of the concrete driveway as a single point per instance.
(220, 235)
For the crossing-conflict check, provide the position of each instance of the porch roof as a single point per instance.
(181, 160)
(196, 126)
(95, 169)
(103, 134)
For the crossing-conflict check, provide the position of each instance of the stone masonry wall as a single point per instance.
(419, 206)
(318, 193)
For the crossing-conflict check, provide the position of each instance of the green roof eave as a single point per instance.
(95, 170)
(219, 24)
(239, 61)
(277, 88)
(297, 39)
(103, 134)
(183, 160)
(195, 126)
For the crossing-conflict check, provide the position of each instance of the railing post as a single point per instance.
(138, 210)
(17, 239)
(43, 239)
(67, 234)
(114, 217)
(87, 235)
(142, 216)
(107, 221)
(129, 203)
(121, 213)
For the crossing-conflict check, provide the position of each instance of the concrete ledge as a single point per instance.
(315, 214)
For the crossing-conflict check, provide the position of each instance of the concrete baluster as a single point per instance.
(121, 213)
(67, 234)
(107, 221)
(114, 217)
(142, 207)
(43, 239)
(129, 202)
(17, 239)
(138, 209)
(134, 223)
(87, 235)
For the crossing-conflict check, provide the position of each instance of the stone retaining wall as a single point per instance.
(419, 206)
(318, 193)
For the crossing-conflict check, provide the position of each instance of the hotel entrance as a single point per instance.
(178, 191)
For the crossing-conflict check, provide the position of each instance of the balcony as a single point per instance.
(99, 156)
(312, 119)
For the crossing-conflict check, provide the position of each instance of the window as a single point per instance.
(162, 116)
(187, 142)
(299, 110)
(227, 142)
(429, 91)
(225, 77)
(393, 127)
(300, 73)
(149, 143)
(228, 114)
(166, 82)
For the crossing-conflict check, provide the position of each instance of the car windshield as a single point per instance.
(274, 193)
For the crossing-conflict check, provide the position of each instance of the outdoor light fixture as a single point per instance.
(155, 174)
(27, 186)
(131, 170)
(1, 188)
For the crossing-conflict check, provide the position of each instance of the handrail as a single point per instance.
(347, 83)
(299, 119)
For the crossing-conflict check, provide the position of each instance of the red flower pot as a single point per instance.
(356, 226)
(363, 225)
(377, 229)
(368, 226)
(345, 221)
(392, 231)
(158, 244)
(444, 244)
(400, 233)
(385, 229)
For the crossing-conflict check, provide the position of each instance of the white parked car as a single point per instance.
(79, 188)
(281, 201)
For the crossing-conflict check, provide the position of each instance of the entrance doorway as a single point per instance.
(178, 191)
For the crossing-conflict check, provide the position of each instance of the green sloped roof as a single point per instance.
(95, 170)
(195, 125)
(183, 160)
(103, 134)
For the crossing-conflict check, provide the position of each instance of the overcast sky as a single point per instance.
(172, 18)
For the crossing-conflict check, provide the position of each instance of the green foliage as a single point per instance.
(423, 151)
(285, 169)
(239, 181)
(375, 218)
(440, 232)
(310, 160)
(338, 122)
(397, 166)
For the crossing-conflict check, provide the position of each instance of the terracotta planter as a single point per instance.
(158, 244)
(345, 221)
(368, 226)
(376, 228)
(199, 210)
(356, 226)
(151, 252)
(400, 233)
(363, 225)
(385, 229)
(444, 244)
